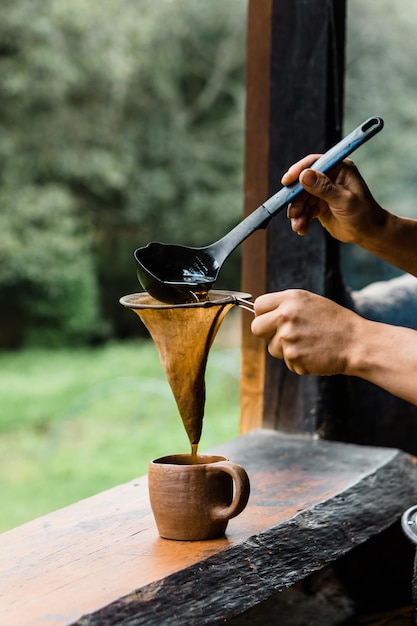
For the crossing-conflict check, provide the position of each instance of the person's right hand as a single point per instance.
(342, 202)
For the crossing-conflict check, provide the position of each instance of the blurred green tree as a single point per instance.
(121, 122)
(381, 80)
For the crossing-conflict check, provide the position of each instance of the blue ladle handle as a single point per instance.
(260, 217)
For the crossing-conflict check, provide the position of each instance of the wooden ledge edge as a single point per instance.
(275, 559)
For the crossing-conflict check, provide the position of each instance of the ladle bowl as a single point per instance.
(176, 274)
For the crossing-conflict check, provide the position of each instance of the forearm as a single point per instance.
(394, 241)
(386, 356)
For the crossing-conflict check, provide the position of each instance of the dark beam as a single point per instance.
(303, 83)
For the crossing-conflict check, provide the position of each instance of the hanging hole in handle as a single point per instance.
(376, 122)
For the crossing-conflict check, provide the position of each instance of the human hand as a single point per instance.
(312, 334)
(317, 336)
(342, 202)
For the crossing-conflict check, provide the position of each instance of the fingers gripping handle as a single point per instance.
(240, 493)
(261, 216)
(332, 157)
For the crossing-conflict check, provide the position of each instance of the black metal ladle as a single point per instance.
(174, 273)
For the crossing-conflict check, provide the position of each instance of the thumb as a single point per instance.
(317, 184)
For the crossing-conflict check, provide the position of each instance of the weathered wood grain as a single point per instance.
(101, 561)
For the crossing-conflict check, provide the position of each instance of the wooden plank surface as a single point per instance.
(101, 561)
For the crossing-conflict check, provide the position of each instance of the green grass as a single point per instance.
(76, 422)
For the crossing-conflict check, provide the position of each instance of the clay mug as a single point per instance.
(194, 501)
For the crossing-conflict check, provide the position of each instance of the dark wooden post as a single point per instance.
(295, 69)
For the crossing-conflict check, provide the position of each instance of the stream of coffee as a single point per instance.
(183, 335)
(194, 453)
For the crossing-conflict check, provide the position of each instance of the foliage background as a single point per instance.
(122, 122)
(381, 80)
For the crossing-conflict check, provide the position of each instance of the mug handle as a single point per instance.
(241, 490)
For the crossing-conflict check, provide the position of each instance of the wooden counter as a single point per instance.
(101, 561)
